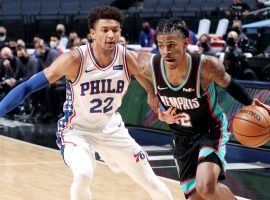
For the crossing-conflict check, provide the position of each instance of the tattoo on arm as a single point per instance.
(143, 60)
(215, 72)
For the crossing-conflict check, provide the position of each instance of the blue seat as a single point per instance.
(86, 6)
(11, 7)
(179, 6)
(149, 9)
(164, 5)
(72, 7)
(49, 7)
(211, 5)
(31, 8)
(195, 5)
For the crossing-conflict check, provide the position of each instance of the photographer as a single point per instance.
(234, 60)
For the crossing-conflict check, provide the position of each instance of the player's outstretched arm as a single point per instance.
(143, 79)
(143, 62)
(214, 69)
(66, 65)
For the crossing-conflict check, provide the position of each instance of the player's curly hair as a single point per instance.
(172, 25)
(104, 12)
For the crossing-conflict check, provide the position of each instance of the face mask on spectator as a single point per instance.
(2, 36)
(60, 32)
(53, 44)
(146, 29)
(41, 52)
(236, 29)
(23, 59)
(204, 45)
(231, 41)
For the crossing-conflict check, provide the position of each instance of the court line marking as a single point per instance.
(168, 157)
(51, 149)
(31, 163)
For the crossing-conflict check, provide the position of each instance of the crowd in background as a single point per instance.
(18, 65)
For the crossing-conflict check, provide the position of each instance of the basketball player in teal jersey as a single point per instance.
(97, 76)
(185, 85)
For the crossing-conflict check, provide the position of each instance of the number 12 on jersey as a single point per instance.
(101, 106)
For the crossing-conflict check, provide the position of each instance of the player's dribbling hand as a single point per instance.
(153, 101)
(257, 102)
(169, 116)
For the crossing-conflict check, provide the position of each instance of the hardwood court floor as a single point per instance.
(32, 172)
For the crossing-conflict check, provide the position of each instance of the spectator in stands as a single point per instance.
(76, 42)
(237, 27)
(147, 35)
(45, 55)
(3, 37)
(72, 36)
(204, 45)
(54, 43)
(234, 61)
(155, 50)
(122, 41)
(29, 66)
(84, 41)
(21, 43)
(60, 29)
(12, 44)
(238, 10)
(9, 69)
(232, 55)
(192, 39)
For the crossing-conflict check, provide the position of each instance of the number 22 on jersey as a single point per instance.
(101, 106)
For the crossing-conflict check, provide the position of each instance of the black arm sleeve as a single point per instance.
(239, 93)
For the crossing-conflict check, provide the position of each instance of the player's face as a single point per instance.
(172, 47)
(106, 34)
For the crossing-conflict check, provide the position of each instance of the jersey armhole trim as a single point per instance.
(79, 74)
(199, 73)
(151, 66)
(124, 55)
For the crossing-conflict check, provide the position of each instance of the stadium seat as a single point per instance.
(86, 6)
(222, 27)
(204, 27)
(69, 8)
(10, 7)
(49, 7)
(164, 5)
(195, 5)
(149, 9)
(30, 8)
(211, 5)
(225, 5)
(180, 5)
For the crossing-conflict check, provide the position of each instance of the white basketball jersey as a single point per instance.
(97, 92)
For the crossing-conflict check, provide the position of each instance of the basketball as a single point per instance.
(251, 126)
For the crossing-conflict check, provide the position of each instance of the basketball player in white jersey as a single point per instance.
(97, 77)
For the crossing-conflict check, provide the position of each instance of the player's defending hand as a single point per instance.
(153, 101)
(257, 102)
(169, 116)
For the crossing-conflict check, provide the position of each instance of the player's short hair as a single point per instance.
(172, 26)
(104, 12)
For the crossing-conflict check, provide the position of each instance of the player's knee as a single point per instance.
(83, 179)
(205, 188)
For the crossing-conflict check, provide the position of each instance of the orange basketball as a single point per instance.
(251, 126)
